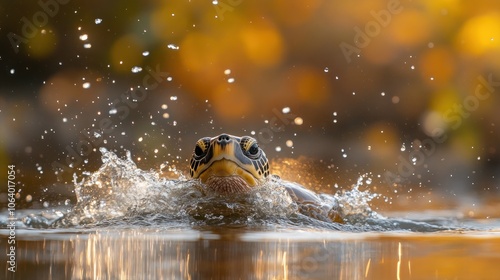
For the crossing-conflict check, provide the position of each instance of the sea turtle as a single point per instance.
(231, 165)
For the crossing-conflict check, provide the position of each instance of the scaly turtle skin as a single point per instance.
(228, 164)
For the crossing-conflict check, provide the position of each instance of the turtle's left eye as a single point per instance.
(254, 149)
(198, 151)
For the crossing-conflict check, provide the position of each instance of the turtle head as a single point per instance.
(229, 164)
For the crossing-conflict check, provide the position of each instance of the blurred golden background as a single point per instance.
(406, 90)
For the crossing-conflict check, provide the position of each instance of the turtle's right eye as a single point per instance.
(250, 147)
(254, 149)
(202, 147)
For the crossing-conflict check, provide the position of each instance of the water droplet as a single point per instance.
(145, 53)
(173, 98)
(84, 37)
(172, 47)
(136, 69)
(382, 93)
(289, 143)
(98, 20)
(285, 110)
(12, 71)
(86, 85)
(403, 147)
(298, 121)
(113, 111)
(164, 106)
(227, 71)
(326, 70)
(87, 46)
(215, 2)
(278, 149)
(65, 120)
(46, 204)
(140, 139)
(230, 80)
(412, 67)
(166, 115)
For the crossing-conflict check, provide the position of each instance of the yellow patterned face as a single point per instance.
(229, 164)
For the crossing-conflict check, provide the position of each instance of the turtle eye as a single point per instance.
(254, 149)
(198, 151)
(250, 147)
(201, 147)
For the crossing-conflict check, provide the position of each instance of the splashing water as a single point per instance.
(356, 204)
(120, 190)
(121, 194)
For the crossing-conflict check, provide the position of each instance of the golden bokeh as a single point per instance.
(198, 51)
(263, 44)
(307, 86)
(410, 28)
(480, 34)
(232, 102)
(381, 51)
(437, 66)
(302, 12)
(444, 99)
(169, 21)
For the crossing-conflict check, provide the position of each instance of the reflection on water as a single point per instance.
(226, 253)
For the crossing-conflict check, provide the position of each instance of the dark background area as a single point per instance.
(404, 90)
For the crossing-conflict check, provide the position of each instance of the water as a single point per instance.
(130, 223)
